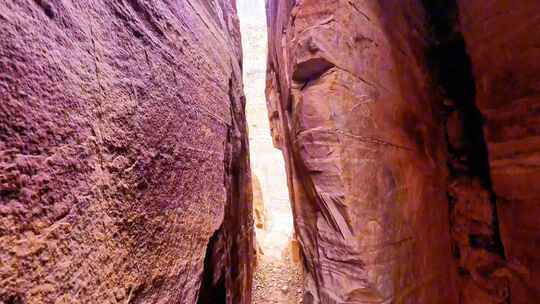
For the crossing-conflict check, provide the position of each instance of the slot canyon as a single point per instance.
(270, 151)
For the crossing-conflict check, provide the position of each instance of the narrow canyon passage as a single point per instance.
(277, 278)
(309, 151)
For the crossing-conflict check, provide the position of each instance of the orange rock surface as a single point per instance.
(409, 133)
(365, 150)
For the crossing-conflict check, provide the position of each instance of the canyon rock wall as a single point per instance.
(354, 111)
(409, 132)
(503, 39)
(124, 168)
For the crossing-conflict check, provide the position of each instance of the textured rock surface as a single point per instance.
(476, 244)
(123, 153)
(383, 108)
(352, 108)
(503, 39)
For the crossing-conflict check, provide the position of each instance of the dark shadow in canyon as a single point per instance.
(452, 71)
(213, 289)
(470, 190)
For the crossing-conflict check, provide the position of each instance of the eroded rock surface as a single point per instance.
(354, 111)
(502, 39)
(402, 121)
(124, 169)
(476, 242)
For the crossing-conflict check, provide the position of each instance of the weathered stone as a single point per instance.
(502, 39)
(475, 243)
(361, 96)
(296, 253)
(123, 153)
(365, 149)
(258, 203)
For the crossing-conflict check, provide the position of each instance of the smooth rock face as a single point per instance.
(353, 110)
(123, 153)
(502, 39)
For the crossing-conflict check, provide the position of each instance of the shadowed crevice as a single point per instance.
(311, 69)
(470, 189)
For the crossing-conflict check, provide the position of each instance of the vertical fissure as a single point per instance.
(213, 290)
(476, 241)
(277, 276)
(227, 258)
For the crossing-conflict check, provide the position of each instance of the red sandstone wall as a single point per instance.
(503, 39)
(123, 149)
(353, 110)
(374, 104)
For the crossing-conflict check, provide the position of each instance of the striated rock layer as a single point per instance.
(124, 169)
(503, 39)
(409, 132)
(353, 109)
(475, 238)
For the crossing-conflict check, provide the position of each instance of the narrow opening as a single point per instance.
(213, 289)
(276, 278)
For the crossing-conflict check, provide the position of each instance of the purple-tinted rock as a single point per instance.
(123, 153)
